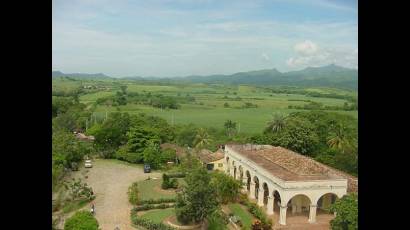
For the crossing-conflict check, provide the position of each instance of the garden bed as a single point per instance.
(243, 214)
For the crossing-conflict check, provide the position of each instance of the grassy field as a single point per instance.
(151, 189)
(208, 109)
(158, 215)
(243, 214)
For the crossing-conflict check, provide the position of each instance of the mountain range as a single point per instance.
(328, 76)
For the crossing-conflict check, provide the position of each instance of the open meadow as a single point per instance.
(212, 105)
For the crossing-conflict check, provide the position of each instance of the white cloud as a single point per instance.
(265, 57)
(306, 48)
(310, 54)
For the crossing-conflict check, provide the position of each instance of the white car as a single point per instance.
(88, 164)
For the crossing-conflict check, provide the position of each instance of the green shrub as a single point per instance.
(148, 224)
(81, 220)
(158, 201)
(133, 193)
(257, 212)
(145, 207)
(176, 175)
(168, 183)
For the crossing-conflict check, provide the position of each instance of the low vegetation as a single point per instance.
(81, 220)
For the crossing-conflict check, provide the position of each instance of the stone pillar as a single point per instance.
(312, 213)
(261, 194)
(252, 192)
(282, 215)
(271, 201)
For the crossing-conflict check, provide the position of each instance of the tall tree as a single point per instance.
(340, 139)
(202, 138)
(346, 210)
(230, 127)
(277, 123)
(198, 199)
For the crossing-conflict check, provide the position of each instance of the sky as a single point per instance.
(167, 38)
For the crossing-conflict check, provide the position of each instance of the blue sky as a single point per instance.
(200, 37)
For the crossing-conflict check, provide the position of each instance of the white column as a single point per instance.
(312, 213)
(260, 197)
(282, 215)
(271, 201)
(252, 193)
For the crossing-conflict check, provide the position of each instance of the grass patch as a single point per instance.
(74, 205)
(151, 189)
(243, 214)
(158, 215)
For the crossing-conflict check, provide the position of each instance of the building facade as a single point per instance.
(283, 181)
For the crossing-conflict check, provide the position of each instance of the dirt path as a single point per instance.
(110, 181)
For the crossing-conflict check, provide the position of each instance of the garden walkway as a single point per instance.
(110, 181)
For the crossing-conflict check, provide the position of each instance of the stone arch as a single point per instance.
(265, 188)
(324, 202)
(299, 204)
(317, 198)
(277, 200)
(248, 183)
(257, 186)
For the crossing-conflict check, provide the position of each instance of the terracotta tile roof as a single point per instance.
(207, 156)
(288, 165)
(180, 151)
(84, 137)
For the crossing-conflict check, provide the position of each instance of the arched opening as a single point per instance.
(248, 183)
(277, 201)
(234, 172)
(324, 203)
(256, 180)
(299, 206)
(240, 173)
(227, 165)
(265, 193)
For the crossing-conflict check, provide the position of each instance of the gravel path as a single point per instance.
(110, 181)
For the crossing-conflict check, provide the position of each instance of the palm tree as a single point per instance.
(202, 138)
(277, 123)
(339, 138)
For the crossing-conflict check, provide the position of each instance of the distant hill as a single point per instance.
(326, 76)
(329, 76)
(78, 75)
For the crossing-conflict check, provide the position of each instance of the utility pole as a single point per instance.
(86, 124)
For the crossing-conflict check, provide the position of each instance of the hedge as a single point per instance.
(176, 175)
(148, 224)
(256, 211)
(133, 193)
(81, 220)
(150, 206)
(158, 201)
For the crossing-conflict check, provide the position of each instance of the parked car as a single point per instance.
(88, 164)
(147, 168)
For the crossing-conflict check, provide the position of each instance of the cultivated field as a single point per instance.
(208, 108)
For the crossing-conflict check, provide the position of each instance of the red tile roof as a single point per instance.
(290, 166)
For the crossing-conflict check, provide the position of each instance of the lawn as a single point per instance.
(208, 108)
(158, 215)
(151, 189)
(242, 213)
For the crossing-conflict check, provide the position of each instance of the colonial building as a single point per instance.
(283, 181)
(212, 161)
